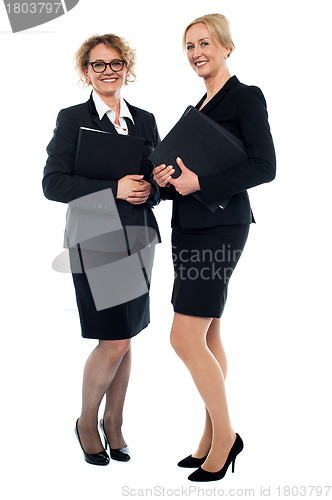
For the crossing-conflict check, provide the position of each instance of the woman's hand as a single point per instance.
(126, 185)
(162, 175)
(188, 181)
(140, 193)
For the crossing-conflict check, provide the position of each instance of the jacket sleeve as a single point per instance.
(155, 200)
(59, 181)
(167, 193)
(260, 166)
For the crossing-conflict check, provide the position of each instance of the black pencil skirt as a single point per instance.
(119, 322)
(204, 260)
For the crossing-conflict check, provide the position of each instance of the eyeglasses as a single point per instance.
(115, 65)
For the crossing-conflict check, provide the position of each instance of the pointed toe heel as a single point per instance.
(115, 453)
(100, 458)
(191, 461)
(203, 475)
(119, 455)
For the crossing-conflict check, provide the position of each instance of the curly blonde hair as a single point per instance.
(112, 41)
(218, 27)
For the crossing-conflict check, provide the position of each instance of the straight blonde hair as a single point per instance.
(218, 27)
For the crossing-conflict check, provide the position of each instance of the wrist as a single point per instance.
(198, 187)
(119, 193)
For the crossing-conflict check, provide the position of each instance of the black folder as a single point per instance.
(104, 156)
(204, 147)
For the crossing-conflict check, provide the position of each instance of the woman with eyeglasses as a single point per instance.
(207, 244)
(106, 63)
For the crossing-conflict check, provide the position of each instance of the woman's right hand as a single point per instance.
(163, 174)
(126, 184)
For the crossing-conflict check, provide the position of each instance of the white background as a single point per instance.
(276, 327)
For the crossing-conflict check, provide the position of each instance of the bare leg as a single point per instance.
(188, 338)
(99, 372)
(115, 397)
(206, 439)
(213, 341)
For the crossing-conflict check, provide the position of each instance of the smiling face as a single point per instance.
(206, 55)
(108, 83)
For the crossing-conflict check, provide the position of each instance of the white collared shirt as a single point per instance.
(103, 109)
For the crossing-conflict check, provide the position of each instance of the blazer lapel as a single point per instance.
(103, 124)
(230, 84)
(136, 128)
(131, 126)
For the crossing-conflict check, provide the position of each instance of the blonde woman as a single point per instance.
(207, 245)
(106, 63)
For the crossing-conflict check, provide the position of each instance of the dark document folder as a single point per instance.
(204, 147)
(104, 156)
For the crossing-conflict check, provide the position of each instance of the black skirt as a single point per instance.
(119, 322)
(111, 274)
(204, 260)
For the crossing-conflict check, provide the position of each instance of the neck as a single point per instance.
(113, 101)
(214, 84)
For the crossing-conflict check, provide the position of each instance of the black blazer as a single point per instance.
(61, 184)
(241, 109)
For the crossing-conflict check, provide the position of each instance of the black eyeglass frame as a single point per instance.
(108, 64)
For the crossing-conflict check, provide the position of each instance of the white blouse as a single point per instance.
(103, 109)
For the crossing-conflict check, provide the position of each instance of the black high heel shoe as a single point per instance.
(203, 475)
(115, 453)
(191, 462)
(100, 458)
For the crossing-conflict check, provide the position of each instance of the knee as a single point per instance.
(115, 349)
(179, 344)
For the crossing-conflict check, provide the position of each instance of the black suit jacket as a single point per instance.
(61, 184)
(241, 109)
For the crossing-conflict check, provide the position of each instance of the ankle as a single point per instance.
(86, 424)
(221, 446)
(229, 439)
(112, 423)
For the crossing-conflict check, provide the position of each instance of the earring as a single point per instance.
(226, 55)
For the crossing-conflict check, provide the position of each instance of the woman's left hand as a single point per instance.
(139, 194)
(188, 182)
